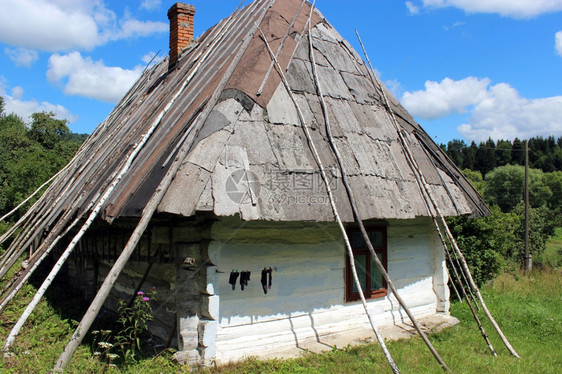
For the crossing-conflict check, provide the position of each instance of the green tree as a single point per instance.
(503, 152)
(476, 179)
(505, 187)
(557, 159)
(541, 228)
(469, 161)
(47, 130)
(486, 157)
(455, 149)
(29, 155)
(486, 242)
(554, 182)
(518, 152)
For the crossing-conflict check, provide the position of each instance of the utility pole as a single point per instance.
(528, 257)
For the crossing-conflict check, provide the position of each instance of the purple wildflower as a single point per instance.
(153, 288)
(146, 299)
(140, 293)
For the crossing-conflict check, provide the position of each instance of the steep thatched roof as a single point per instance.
(248, 155)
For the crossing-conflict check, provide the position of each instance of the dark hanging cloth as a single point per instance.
(232, 280)
(270, 273)
(244, 279)
(264, 280)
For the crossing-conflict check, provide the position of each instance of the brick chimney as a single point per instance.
(181, 29)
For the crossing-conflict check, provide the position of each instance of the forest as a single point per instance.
(30, 153)
(544, 154)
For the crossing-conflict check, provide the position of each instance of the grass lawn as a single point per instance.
(529, 310)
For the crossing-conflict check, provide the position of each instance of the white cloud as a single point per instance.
(454, 25)
(25, 108)
(558, 42)
(496, 111)
(394, 87)
(508, 8)
(151, 59)
(22, 56)
(412, 8)
(84, 77)
(150, 4)
(62, 25)
(446, 97)
(132, 27)
(505, 114)
(17, 93)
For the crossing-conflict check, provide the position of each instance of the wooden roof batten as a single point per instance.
(218, 110)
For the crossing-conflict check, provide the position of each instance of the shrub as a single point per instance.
(486, 242)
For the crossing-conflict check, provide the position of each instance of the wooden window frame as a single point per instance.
(350, 295)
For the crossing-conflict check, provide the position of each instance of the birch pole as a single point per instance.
(374, 256)
(30, 196)
(358, 219)
(477, 290)
(34, 266)
(424, 189)
(136, 149)
(93, 215)
(468, 302)
(147, 214)
(349, 250)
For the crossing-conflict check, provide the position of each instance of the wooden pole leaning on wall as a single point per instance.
(477, 290)
(465, 295)
(37, 218)
(116, 178)
(29, 198)
(463, 280)
(424, 189)
(337, 218)
(355, 211)
(147, 214)
(20, 281)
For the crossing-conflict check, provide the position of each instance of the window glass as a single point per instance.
(357, 240)
(376, 275)
(361, 267)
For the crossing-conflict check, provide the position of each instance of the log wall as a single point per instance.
(159, 260)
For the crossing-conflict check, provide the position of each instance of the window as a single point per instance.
(370, 278)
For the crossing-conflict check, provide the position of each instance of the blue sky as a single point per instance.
(466, 69)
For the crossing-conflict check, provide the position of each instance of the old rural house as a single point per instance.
(237, 153)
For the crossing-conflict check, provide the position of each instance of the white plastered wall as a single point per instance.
(307, 300)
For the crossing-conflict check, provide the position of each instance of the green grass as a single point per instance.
(529, 310)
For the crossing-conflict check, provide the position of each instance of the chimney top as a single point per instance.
(181, 29)
(180, 8)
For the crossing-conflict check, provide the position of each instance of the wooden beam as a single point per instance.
(149, 210)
